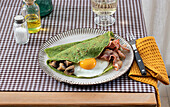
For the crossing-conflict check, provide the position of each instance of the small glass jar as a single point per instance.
(20, 30)
(31, 12)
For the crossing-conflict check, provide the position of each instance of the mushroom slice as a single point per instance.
(67, 63)
(54, 64)
(61, 67)
(69, 70)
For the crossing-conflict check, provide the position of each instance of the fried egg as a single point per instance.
(90, 67)
(88, 63)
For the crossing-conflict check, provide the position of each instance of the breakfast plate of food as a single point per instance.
(85, 56)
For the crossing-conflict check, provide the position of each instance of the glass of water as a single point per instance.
(104, 9)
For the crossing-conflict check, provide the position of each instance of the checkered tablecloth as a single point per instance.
(19, 69)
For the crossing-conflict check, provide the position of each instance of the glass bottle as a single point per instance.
(20, 30)
(31, 12)
(46, 7)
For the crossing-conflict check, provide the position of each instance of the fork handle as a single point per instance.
(140, 62)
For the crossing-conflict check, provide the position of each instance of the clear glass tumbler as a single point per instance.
(104, 9)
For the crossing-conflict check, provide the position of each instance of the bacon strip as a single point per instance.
(116, 43)
(106, 54)
(113, 53)
(118, 65)
(124, 48)
(121, 54)
(111, 45)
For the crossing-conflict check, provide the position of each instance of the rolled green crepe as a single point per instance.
(78, 51)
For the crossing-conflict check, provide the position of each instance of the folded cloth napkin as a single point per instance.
(153, 62)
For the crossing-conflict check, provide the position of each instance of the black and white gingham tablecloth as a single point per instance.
(19, 69)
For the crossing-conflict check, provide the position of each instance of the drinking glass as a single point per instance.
(104, 9)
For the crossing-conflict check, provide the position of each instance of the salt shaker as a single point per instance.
(20, 30)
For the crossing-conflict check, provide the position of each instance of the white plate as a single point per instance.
(79, 35)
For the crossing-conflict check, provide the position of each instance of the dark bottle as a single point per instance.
(46, 7)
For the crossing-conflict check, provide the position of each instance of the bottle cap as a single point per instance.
(29, 2)
(19, 19)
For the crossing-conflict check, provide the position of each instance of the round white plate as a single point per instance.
(80, 35)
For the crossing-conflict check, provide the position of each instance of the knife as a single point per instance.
(138, 59)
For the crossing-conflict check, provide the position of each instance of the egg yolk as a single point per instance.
(88, 63)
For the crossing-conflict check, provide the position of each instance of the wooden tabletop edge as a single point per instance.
(76, 98)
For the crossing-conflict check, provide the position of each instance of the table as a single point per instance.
(23, 82)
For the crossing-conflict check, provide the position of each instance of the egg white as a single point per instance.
(97, 70)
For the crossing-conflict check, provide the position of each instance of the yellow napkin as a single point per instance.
(153, 62)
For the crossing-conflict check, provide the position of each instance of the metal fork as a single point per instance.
(138, 59)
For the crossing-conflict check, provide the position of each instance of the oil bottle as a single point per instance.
(31, 12)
